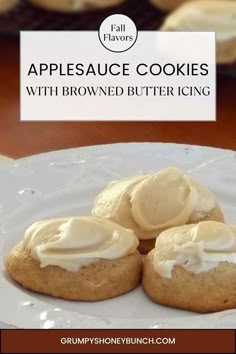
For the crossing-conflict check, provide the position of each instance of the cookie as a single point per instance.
(71, 6)
(170, 5)
(101, 280)
(217, 16)
(146, 246)
(7, 5)
(83, 259)
(193, 268)
(150, 204)
(167, 5)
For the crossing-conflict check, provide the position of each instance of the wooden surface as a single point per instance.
(18, 139)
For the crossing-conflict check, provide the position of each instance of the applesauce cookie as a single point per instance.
(217, 16)
(74, 5)
(7, 5)
(193, 267)
(170, 5)
(149, 204)
(82, 258)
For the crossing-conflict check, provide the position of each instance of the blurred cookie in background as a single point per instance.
(7, 5)
(218, 16)
(71, 6)
(169, 5)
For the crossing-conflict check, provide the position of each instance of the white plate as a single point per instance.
(65, 183)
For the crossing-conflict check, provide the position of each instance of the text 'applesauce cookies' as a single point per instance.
(81, 258)
(74, 5)
(193, 267)
(217, 16)
(149, 204)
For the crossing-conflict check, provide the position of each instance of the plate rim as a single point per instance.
(138, 143)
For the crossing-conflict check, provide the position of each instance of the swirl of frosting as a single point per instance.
(147, 204)
(197, 248)
(71, 243)
(218, 16)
